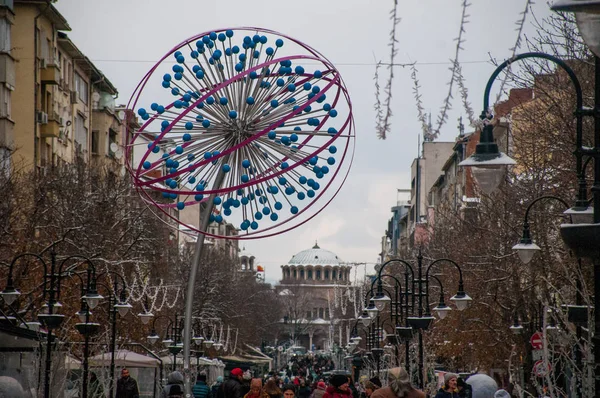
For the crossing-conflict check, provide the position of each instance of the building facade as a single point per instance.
(308, 290)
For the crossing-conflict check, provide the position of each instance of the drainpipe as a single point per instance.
(35, 89)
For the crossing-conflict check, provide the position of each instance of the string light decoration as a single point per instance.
(238, 120)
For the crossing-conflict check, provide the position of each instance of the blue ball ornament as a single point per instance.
(229, 33)
(284, 165)
(307, 86)
(266, 211)
(274, 217)
(254, 225)
(327, 107)
(198, 197)
(245, 163)
(332, 131)
(147, 165)
(226, 168)
(279, 43)
(318, 74)
(207, 155)
(313, 160)
(217, 200)
(278, 206)
(180, 205)
(206, 123)
(258, 215)
(294, 210)
(156, 149)
(227, 212)
(233, 114)
(301, 196)
(272, 135)
(274, 103)
(250, 100)
(245, 178)
(223, 100)
(332, 149)
(178, 150)
(270, 51)
(333, 113)
(310, 193)
(331, 160)
(245, 201)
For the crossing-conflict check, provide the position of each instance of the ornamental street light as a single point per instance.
(420, 316)
(49, 317)
(581, 236)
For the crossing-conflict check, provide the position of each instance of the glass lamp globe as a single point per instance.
(442, 310)
(365, 318)
(123, 308)
(461, 300)
(581, 215)
(92, 299)
(82, 315)
(587, 16)
(198, 340)
(516, 328)
(152, 338)
(168, 342)
(208, 343)
(381, 299)
(145, 317)
(526, 251)
(10, 294)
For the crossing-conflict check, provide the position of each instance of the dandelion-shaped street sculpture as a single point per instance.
(254, 125)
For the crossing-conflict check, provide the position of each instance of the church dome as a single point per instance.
(315, 256)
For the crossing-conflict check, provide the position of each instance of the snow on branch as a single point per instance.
(383, 108)
(447, 105)
(520, 25)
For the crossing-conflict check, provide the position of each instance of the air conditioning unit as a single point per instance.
(74, 97)
(43, 63)
(42, 117)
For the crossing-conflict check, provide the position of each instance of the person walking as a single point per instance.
(320, 390)
(289, 391)
(175, 379)
(232, 387)
(176, 391)
(339, 388)
(127, 387)
(215, 390)
(272, 390)
(96, 389)
(304, 390)
(450, 387)
(256, 390)
(201, 389)
(399, 386)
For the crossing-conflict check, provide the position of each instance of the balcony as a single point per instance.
(52, 128)
(49, 73)
(7, 69)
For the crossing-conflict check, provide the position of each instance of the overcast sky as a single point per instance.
(124, 38)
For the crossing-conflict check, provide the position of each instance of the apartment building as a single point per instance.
(7, 83)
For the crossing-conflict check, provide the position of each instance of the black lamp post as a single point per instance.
(172, 340)
(53, 274)
(117, 303)
(583, 235)
(420, 318)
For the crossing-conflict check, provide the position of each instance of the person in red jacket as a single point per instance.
(339, 387)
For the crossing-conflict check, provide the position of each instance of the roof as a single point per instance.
(315, 256)
(124, 358)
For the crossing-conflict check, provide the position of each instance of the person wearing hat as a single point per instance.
(370, 388)
(450, 387)
(232, 387)
(339, 387)
(399, 386)
(216, 390)
(175, 379)
(320, 390)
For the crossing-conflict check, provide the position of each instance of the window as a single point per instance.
(326, 274)
(295, 274)
(112, 139)
(81, 87)
(301, 274)
(308, 315)
(315, 313)
(310, 273)
(321, 313)
(81, 132)
(318, 274)
(334, 275)
(326, 313)
(95, 141)
(4, 36)
(5, 94)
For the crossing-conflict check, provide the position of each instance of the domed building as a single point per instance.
(307, 288)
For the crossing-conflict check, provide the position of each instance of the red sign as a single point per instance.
(536, 341)
(541, 368)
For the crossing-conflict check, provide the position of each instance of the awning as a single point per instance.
(125, 358)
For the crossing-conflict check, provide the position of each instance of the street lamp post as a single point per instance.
(420, 317)
(117, 303)
(583, 235)
(53, 274)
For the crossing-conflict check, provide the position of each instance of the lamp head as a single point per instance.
(145, 317)
(380, 300)
(153, 337)
(488, 164)
(198, 340)
(10, 294)
(461, 300)
(442, 310)
(580, 214)
(365, 318)
(123, 308)
(526, 248)
(587, 16)
(92, 298)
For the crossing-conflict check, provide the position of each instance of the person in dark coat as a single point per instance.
(200, 389)
(175, 378)
(339, 387)
(176, 391)
(127, 386)
(232, 387)
(304, 390)
(450, 387)
(399, 386)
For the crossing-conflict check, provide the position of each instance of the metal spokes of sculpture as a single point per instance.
(255, 121)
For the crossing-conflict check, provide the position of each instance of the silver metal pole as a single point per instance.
(189, 298)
